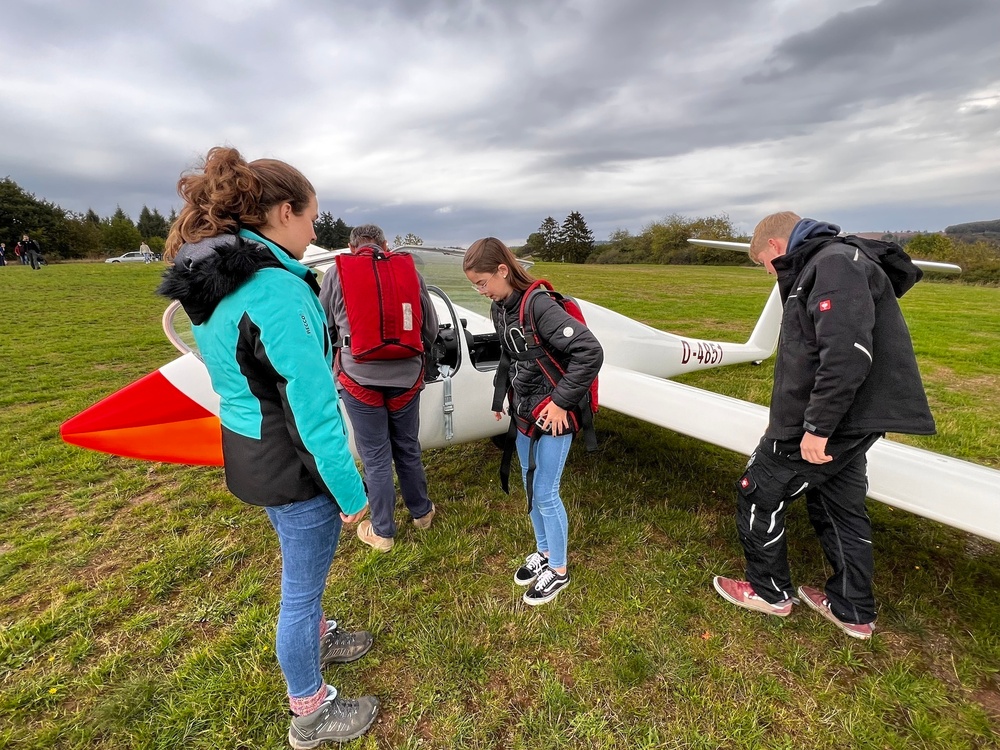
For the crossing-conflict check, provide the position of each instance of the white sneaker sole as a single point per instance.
(546, 600)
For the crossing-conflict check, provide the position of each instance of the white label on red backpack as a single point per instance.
(407, 316)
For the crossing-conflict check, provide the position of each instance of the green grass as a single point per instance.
(138, 600)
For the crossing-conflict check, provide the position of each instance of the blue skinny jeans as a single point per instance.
(308, 531)
(548, 514)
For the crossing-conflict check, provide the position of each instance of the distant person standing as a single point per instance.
(3, 254)
(147, 254)
(31, 253)
(17, 253)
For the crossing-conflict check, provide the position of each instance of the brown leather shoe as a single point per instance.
(367, 535)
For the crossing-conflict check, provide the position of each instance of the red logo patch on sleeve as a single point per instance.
(825, 305)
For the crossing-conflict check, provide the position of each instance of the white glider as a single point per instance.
(172, 414)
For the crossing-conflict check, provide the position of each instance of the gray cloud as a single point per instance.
(456, 119)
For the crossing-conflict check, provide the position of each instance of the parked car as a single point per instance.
(133, 257)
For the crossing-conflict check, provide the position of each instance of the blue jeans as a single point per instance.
(385, 438)
(548, 514)
(308, 531)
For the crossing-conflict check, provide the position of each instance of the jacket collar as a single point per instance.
(285, 258)
(206, 272)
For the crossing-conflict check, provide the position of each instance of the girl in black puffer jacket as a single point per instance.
(536, 403)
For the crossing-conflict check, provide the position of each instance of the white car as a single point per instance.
(133, 257)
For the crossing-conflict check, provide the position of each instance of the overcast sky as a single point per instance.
(456, 119)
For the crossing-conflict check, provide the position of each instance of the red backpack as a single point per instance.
(549, 365)
(382, 296)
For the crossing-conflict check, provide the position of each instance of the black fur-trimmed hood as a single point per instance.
(206, 272)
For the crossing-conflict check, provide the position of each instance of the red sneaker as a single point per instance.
(818, 601)
(741, 594)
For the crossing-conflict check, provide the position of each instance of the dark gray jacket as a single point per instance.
(845, 365)
(570, 341)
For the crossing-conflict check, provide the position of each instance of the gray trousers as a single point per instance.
(385, 438)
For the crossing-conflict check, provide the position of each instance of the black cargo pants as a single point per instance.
(835, 499)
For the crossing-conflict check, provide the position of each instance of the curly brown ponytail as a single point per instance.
(226, 193)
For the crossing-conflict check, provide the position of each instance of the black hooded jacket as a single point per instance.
(845, 365)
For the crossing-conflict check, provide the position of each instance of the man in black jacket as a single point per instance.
(845, 374)
(31, 253)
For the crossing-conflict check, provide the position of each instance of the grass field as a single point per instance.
(138, 600)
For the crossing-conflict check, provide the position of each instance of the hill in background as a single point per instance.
(990, 228)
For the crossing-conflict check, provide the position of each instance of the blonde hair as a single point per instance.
(486, 256)
(773, 226)
(226, 193)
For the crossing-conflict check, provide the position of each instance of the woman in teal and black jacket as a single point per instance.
(236, 248)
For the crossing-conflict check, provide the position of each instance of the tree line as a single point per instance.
(978, 256)
(66, 235)
(976, 249)
(664, 242)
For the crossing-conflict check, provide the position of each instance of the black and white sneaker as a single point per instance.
(343, 646)
(336, 720)
(546, 587)
(535, 563)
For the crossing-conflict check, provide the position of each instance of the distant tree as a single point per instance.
(85, 236)
(331, 233)
(975, 227)
(980, 260)
(409, 239)
(535, 246)
(620, 248)
(324, 230)
(666, 241)
(151, 224)
(120, 234)
(92, 217)
(21, 212)
(931, 247)
(156, 244)
(341, 233)
(549, 231)
(576, 241)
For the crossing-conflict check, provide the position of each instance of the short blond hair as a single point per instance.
(773, 226)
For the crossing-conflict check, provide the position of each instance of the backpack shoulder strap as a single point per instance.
(526, 311)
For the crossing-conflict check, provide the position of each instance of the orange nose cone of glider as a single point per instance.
(150, 419)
